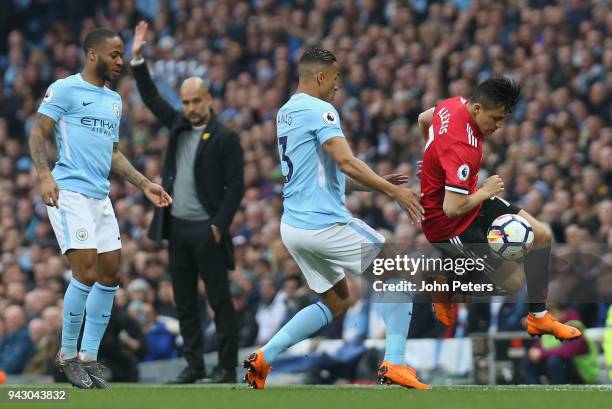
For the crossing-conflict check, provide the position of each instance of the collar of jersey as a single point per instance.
(80, 77)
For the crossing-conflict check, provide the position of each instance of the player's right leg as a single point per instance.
(323, 277)
(307, 322)
(472, 244)
(74, 229)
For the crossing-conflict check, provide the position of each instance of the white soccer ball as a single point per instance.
(510, 237)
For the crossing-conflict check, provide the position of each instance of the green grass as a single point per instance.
(126, 396)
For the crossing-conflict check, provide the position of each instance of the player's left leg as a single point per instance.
(396, 310)
(537, 264)
(509, 276)
(472, 243)
(98, 308)
(537, 268)
(395, 307)
(100, 300)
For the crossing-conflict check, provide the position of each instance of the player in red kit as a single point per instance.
(458, 213)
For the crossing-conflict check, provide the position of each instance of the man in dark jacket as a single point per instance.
(16, 348)
(203, 171)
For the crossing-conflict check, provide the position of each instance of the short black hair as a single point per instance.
(497, 91)
(315, 55)
(95, 36)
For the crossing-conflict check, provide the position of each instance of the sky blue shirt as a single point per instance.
(86, 127)
(314, 185)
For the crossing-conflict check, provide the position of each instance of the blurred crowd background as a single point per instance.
(398, 58)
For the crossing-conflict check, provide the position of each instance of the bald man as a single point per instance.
(203, 171)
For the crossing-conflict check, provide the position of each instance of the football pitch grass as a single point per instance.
(127, 396)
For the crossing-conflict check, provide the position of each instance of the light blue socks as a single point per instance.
(396, 310)
(305, 323)
(99, 306)
(74, 308)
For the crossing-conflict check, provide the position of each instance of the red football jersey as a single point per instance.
(451, 161)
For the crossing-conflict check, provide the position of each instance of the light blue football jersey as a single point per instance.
(314, 185)
(86, 126)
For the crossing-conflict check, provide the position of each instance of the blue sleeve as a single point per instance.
(326, 123)
(56, 101)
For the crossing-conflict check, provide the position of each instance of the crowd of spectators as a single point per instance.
(397, 59)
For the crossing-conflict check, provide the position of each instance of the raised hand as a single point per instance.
(140, 34)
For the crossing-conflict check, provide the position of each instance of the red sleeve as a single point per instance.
(460, 163)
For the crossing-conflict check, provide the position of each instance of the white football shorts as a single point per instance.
(83, 222)
(323, 255)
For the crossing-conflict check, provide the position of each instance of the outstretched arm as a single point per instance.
(395, 178)
(122, 167)
(41, 128)
(340, 151)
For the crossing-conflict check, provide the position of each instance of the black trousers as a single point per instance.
(194, 251)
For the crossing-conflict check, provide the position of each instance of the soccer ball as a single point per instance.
(510, 237)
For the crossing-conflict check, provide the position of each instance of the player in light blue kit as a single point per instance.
(316, 227)
(84, 115)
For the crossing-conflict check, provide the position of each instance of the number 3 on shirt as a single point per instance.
(282, 141)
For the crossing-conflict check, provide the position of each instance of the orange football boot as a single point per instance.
(550, 325)
(402, 375)
(444, 310)
(257, 370)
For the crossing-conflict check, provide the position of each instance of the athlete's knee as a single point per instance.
(86, 276)
(542, 235)
(340, 307)
(515, 283)
(84, 269)
(108, 268)
(109, 279)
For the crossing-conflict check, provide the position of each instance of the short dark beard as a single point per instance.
(102, 71)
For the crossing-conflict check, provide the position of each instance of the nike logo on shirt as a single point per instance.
(87, 103)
